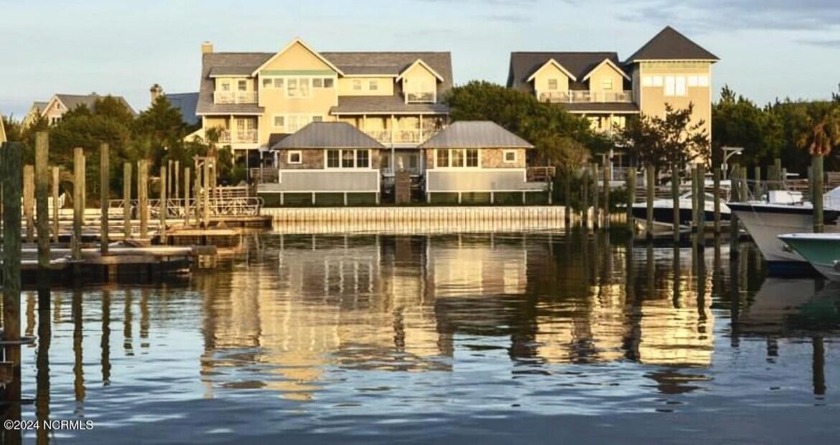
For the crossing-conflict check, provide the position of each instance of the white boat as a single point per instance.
(663, 210)
(784, 212)
(821, 250)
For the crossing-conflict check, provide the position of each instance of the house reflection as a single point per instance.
(398, 303)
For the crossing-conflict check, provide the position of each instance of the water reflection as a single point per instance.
(581, 323)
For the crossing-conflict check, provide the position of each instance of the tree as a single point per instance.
(665, 142)
(818, 127)
(738, 122)
(561, 138)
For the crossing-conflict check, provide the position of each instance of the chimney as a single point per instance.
(206, 48)
(156, 91)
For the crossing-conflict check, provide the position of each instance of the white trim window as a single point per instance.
(373, 85)
(509, 156)
(552, 84)
(359, 158)
(457, 158)
(275, 83)
(294, 157)
(298, 87)
(291, 123)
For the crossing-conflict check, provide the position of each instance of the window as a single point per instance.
(357, 85)
(703, 81)
(472, 157)
(457, 158)
(509, 156)
(442, 158)
(692, 81)
(328, 82)
(348, 158)
(242, 85)
(373, 85)
(267, 82)
(647, 81)
(225, 85)
(332, 159)
(552, 84)
(680, 87)
(295, 157)
(317, 118)
(317, 83)
(607, 83)
(279, 121)
(362, 159)
(670, 85)
(657, 81)
(297, 87)
(278, 83)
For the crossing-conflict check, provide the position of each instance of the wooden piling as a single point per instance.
(818, 188)
(631, 197)
(596, 208)
(716, 191)
(757, 183)
(675, 200)
(56, 207)
(126, 200)
(177, 183)
(701, 205)
(11, 178)
(29, 202)
(186, 197)
(737, 195)
(104, 196)
(607, 163)
(585, 194)
(42, 179)
(567, 195)
(205, 196)
(78, 192)
(650, 179)
(162, 208)
(143, 197)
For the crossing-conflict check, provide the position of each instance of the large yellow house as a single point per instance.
(669, 69)
(254, 99)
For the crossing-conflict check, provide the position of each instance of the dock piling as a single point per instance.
(78, 209)
(127, 200)
(675, 200)
(143, 197)
(104, 195)
(29, 202)
(650, 178)
(42, 179)
(162, 208)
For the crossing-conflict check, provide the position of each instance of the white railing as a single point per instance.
(235, 97)
(585, 96)
(417, 97)
(402, 136)
(238, 137)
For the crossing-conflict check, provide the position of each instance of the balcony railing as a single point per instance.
(401, 136)
(539, 174)
(421, 98)
(235, 97)
(583, 96)
(238, 137)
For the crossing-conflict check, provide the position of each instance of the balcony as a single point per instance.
(235, 97)
(238, 137)
(585, 96)
(420, 98)
(401, 137)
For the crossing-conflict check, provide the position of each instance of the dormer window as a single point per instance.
(357, 85)
(419, 91)
(552, 84)
(607, 83)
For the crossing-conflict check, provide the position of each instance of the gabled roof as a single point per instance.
(71, 101)
(424, 65)
(386, 64)
(524, 64)
(475, 134)
(294, 42)
(186, 104)
(328, 135)
(609, 63)
(551, 61)
(669, 44)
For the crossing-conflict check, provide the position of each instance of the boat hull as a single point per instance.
(821, 250)
(765, 222)
(665, 215)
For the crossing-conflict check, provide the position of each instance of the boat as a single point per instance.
(780, 213)
(820, 250)
(663, 210)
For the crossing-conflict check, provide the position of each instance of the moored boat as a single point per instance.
(821, 250)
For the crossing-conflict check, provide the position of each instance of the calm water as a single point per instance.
(506, 338)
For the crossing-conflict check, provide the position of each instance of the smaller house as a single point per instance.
(54, 109)
(324, 163)
(478, 162)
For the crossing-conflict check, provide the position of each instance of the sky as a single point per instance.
(768, 48)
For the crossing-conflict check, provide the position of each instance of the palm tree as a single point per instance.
(819, 132)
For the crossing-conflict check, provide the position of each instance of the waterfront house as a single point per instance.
(325, 163)
(55, 108)
(668, 69)
(478, 162)
(255, 98)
